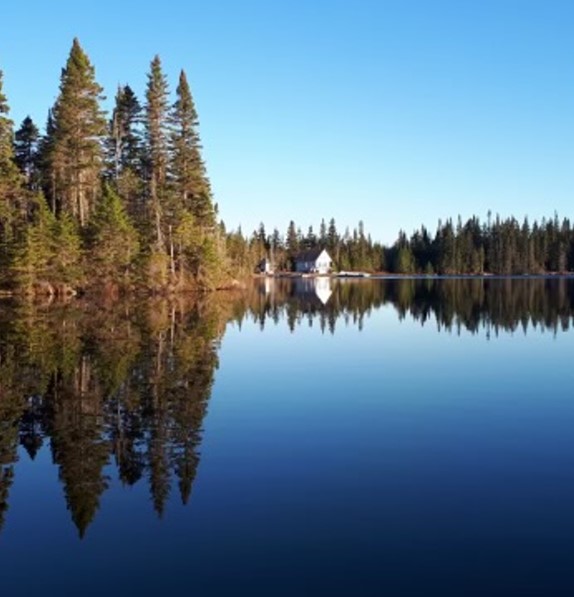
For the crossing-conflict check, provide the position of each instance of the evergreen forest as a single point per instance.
(121, 202)
(107, 202)
(497, 246)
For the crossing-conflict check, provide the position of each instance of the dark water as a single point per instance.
(410, 437)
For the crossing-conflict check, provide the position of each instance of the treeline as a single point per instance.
(498, 246)
(349, 251)
(120, 200)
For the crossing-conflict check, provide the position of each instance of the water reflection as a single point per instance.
(125, 387)
(473, 304)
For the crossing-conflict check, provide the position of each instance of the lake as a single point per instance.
(304, 437)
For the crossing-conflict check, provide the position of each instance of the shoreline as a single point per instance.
(394, 276)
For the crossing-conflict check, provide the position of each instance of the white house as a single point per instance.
(314, 261)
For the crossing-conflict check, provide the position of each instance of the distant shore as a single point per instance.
(391, 276)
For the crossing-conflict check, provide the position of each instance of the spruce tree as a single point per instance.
(26, 151)
(156, 148)
(187, 167)
(36, 252)
(79, 128)
(124, 153)
(113, 241)
(292, 240)
(68, 254)
(124, 143)
(47, 173)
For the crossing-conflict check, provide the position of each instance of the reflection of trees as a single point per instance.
(127, 384)
(8, 443)
(11, 409)
(492, 304)
(78, 446)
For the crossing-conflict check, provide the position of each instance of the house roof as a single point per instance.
(310, 255)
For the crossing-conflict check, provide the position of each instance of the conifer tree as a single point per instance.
(124, 154)
(79, 128)
(292, 240)
(26, 151)
(113, 241)
(47, 173)
(187, 167)
(35, 254)
(323, 233)
(68, 253)
(156, 149)
(124, 143)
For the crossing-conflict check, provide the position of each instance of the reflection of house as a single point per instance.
(265, 266)
(312, 292)
(314, 261)
(323, 289)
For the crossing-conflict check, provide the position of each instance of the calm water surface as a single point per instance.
(375, 437)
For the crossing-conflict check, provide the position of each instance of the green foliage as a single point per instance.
(404, 261)
(156, 148)
(79, 126)
(35, 254)
(187, 239)
(8, 170)
(157, 270)
(208, 263)
(26, 142)
(11, 194)
(68, 251)
(124, 142)
(112, 240)
(190, 181)
(48, 256)
(125, 385)
(156, 216)
(499, 247)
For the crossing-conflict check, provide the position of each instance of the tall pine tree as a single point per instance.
(187, 167)
(124, 143)
(156, 147)
(124, 152)
(79, 129)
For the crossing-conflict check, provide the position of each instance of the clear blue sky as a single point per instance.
(394, 112)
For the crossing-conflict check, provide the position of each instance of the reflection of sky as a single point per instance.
(446, 442)
(391, 354)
